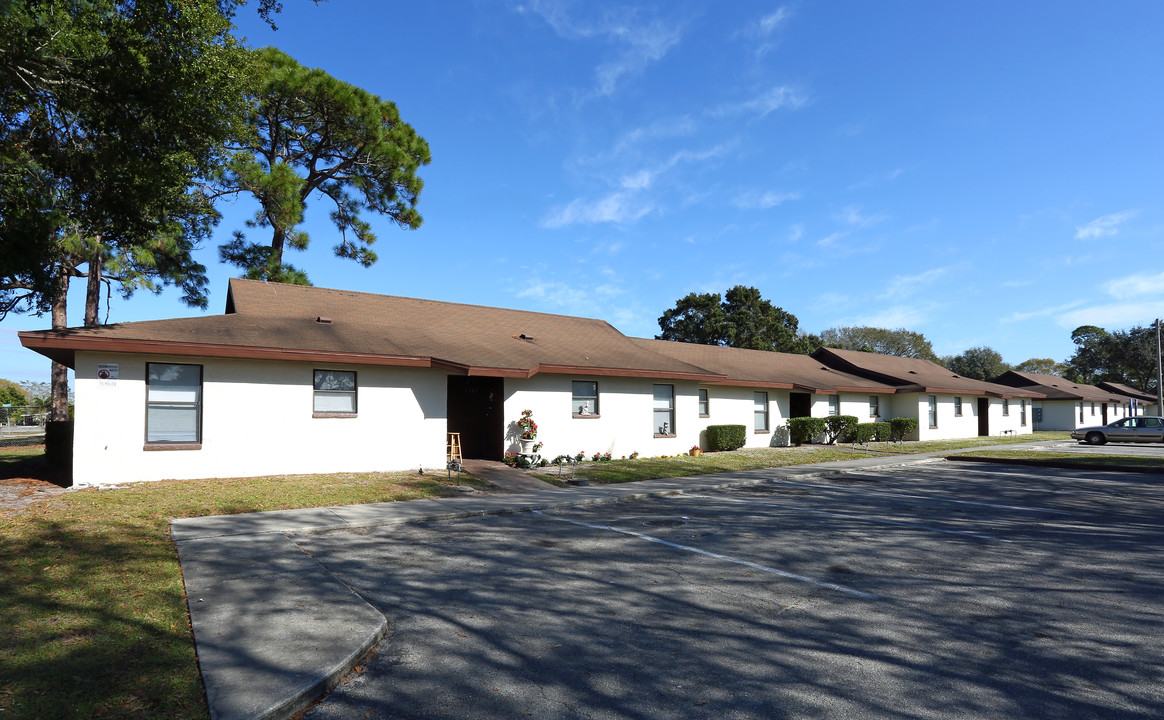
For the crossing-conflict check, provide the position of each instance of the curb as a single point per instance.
(1061, 464)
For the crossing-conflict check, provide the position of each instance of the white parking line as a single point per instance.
(717, 556)
(927, 498)
(864, 518)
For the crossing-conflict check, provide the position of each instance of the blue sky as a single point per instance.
(985, 174)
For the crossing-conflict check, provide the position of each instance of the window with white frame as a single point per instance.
(933, 402)
(1080, 412)
(957, 407)
(335, 393)
(874, 406)
(704, 404)
(173, 404)
(760, 410)
(664, 409)
(1005, 407)
(1093, 409)
(1023, 413)
(834, 405)
(584, 400)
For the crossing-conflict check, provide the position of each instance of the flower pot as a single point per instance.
(695, 452)
(527, 446)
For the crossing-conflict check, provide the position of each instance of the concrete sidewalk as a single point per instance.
(274, 630)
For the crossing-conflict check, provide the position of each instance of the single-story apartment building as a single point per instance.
(1067, 405)
(1145, 403)
(297, 379)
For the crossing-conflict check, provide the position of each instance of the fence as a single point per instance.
(22, 425)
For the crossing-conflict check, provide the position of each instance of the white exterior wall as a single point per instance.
(736, 406)
(1064, 414)
(257, 420)
(625, 422)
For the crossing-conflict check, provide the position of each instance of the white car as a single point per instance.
(1145, 428)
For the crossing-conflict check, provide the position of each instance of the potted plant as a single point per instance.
(695, 451)
(527, 432)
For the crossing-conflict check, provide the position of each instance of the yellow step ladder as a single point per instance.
(453, 449)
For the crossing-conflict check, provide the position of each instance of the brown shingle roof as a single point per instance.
(913, 374)
(1057, 388)
(762, 368)
(1126, 391)
(275, 321)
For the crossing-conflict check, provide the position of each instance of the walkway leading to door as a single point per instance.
(507, 478)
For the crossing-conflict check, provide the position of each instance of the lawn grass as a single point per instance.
(619, 471)
(1098, 461)
(925, 446)
(92, 606)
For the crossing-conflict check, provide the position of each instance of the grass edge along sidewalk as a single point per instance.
(92, 593)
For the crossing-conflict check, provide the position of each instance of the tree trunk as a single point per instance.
(278, 238)
(60, 373)
(93, 288)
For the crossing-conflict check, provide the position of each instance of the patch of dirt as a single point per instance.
(18, 494)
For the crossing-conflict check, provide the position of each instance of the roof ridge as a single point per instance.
(359, 293)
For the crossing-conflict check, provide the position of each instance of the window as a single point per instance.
(173, 404)
(1023, 413)
(957, 407)
(1005, 407)
(933, 411)
(1080, 412)
(1093, 409)
(760, 409)
(704, 406)
(585, 398)
(335, 393)
(834, 405)
(874, 406)
(664, 409)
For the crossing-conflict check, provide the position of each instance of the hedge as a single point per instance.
(839, 427)
(726, 437)
(900, 427)
(871, 432)
(804, 429)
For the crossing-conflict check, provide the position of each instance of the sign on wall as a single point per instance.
(107, 374)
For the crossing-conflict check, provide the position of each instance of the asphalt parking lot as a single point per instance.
(1150, 450)
(933, 591)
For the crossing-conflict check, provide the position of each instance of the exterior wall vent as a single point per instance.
(323, 320)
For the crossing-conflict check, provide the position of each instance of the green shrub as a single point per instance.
(839, 427)
(900, 427)
(804, 429)
(865, 433)
(726, 437)
(871, 432)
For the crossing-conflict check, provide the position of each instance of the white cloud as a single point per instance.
(795, 232)
(1114, 315)
(1045, 312)
(878, 179)
(618, 208)
(640, 42)
(903, 286)
(638, 181)
(851, 215)
(898, 316)
(762, 30)
(754, 200)
(1135, 285)
(763, 104)
(1104, 226)
(830, 240)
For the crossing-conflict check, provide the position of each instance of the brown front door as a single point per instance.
(799, 405)
(983, 417)
(476, 411)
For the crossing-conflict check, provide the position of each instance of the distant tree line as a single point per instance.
(742, 318)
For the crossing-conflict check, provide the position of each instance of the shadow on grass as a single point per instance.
(95, 623)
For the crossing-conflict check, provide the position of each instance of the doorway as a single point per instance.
(799, 405)
(983, 417)
(476, 411)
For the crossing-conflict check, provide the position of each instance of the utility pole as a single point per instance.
(1159, 374)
